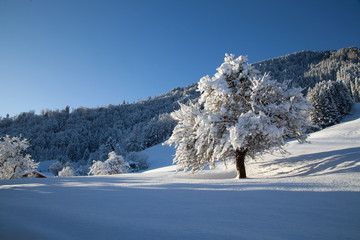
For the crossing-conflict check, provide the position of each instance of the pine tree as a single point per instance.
(239, 114)
(110, 145)
(331, 101)
(86, 154)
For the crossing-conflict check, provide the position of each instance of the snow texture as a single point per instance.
(314, 193)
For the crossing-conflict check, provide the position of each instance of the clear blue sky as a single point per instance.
(92, 53)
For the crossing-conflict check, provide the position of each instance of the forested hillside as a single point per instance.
(91, 133)
(86, 134)
(307, 68)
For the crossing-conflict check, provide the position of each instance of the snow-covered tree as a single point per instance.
(13, 163)
(110, 144)
(331, 101)
(86, 154)
(239, 114)
(115, 164)
(349, 74)
(67, 172)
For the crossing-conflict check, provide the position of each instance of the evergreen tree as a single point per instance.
(86, 154)
(331, 101)
(238, 115)
(349, 74)
(110, 144)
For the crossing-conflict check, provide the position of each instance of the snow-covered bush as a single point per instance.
(13, 163)
(115, 164)
(238, 115)
(67, 172)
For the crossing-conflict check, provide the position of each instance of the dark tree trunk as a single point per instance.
(240, 163)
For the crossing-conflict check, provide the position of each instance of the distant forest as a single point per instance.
(86, 134)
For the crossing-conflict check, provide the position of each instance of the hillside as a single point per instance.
(306, 68)
(331, 151)
(314, 193)
(90, 133)
(79, 136)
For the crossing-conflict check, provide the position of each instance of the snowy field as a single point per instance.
(313, 193)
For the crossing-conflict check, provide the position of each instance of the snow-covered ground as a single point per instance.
(313, 193)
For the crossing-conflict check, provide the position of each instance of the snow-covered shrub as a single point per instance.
(67, 172)
(239, 114)
(13, 163)
(80, 168)
(137, 161)
(115, 164)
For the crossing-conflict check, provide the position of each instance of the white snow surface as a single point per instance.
(312, 193)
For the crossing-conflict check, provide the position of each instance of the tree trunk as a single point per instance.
(240, 163)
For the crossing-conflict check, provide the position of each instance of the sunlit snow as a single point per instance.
(312, 193)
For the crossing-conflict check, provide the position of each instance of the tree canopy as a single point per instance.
(239, 114)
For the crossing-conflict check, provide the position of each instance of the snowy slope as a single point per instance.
(314, 193)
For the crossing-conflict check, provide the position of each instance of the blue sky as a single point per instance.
(94, 53)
